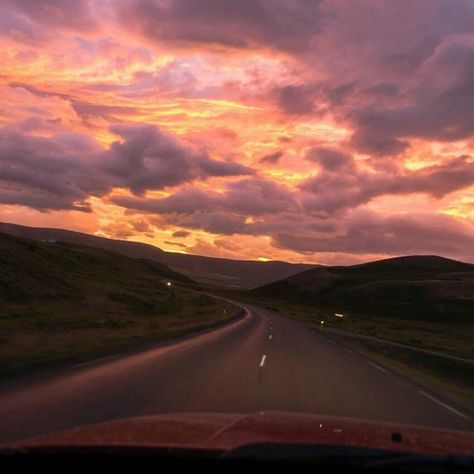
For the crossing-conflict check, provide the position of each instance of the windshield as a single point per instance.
(222, 209)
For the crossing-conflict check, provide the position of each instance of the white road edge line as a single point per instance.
(378, 367)
(348, 350)
(96, 361)
(457, 412)
(262, 362)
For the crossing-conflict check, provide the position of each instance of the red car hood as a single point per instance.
(228, 431)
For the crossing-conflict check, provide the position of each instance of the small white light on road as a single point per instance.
(168, 283)
(322, 322)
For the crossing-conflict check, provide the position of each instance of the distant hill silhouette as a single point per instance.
(229, 273)
(420, 286)
(31, 270)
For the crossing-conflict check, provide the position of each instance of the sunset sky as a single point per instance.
(302, 130)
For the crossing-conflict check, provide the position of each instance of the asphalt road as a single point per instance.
(258, 363)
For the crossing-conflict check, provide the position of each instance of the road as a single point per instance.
(258, 363)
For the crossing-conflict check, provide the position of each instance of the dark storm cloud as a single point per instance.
(86, 110)
(312, 97)
(440, 107)
(252, 196)
(297, 99)
(83, 109)
(48, 173)
(328, 158)
(176, 244)
(284, 25)
(390, 73)
(347, 186)
(148, 158)
(371, 233)
(63, 171)
(181, 233)
(39, 92)
(184, 201)
(215, 222)
(258, 197)
(356, 232)
(271, 158)
(411, 77)
(212, 167)
(34, 21)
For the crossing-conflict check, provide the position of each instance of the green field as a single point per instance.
(63, 302)
(425, 288)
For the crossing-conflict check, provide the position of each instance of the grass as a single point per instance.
(62, 302)
(425, 288)
(48, 345)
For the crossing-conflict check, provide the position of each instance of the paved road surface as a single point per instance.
(260, 362)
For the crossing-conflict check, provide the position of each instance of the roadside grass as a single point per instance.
(59, 333)
(62, 302)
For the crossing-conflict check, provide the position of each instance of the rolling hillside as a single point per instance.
(420, 287)
(33, 270)
(243, 274)
(64, 301)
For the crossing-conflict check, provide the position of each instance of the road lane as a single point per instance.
(260, 362)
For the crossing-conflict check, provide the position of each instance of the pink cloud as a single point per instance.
(279, 122)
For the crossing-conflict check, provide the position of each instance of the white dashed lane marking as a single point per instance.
(427, 395)
(262, 362)
(378, 367)
(451, 409)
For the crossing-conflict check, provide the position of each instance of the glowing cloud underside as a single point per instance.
(251, 129)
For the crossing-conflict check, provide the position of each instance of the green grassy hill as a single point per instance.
(60, 300)
(37, 270)
(221, 272)
(415, 287)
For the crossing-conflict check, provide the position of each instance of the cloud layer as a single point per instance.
(307, 130)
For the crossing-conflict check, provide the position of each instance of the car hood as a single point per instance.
(213, 431)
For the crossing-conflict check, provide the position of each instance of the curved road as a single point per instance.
(260, 362)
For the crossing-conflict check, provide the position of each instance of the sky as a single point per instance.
(321, 131)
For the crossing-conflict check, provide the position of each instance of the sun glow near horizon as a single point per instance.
(234, 142)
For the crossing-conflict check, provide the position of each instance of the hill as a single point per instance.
(223, 272)
(420, 287)
(40, 270)
(64, 301)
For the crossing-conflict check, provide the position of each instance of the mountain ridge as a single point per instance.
(244, 274)
(417, 286)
